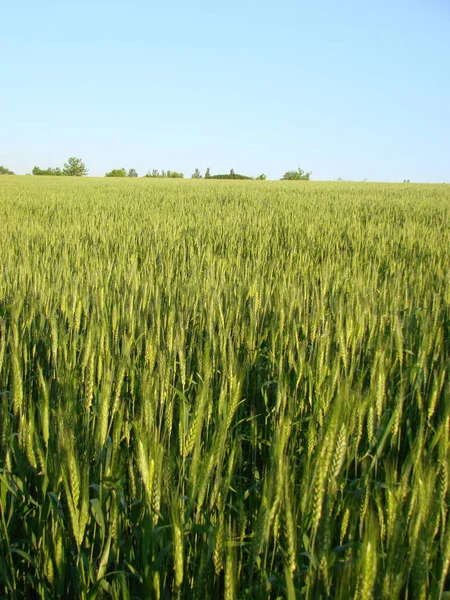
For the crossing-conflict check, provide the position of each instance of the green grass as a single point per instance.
(224, 389)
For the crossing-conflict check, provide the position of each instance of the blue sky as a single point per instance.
(349, 89)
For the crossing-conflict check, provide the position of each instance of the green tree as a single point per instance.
(262, 177)
(208, 173)
(196, 174)
(232, 173)
(132, 173)
(75, 167)
(5, 171)
(49, 171)
(116, 173)
(230, 176)
(297, 175)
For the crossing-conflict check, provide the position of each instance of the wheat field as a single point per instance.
(217, 389)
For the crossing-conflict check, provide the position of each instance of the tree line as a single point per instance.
(75, 167)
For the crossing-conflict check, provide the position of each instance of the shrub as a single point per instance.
(230, 176)
(116, 173)
(5, 171)
(298, 175)
(48, 171)
(75, 167)
(169, 174)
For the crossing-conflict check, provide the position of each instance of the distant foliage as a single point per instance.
(116, 173)
(5, 171)
(196, 174)
(208, 174)
(298, 175)
(262, 177)
(75, 167)
(230, 176)
(167, 174)
(132, 173)
(48, 171)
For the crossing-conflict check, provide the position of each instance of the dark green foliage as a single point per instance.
(5, 171)
(132, 173)
(48, 171)
(196, 174)
(298, 175)
(231, 176)
(116, 173)
(75, 167)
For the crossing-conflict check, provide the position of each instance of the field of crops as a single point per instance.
(224, 389)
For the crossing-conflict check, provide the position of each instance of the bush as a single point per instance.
(298, 175)
(229, 176)
(5, 171)
(75, 167)
(116, 173)
(232, 175)
(169, 174)
(48, 171)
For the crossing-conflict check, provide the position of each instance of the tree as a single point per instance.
(232, 173)
(48, 171)
(5, 171)
(297, 175)
(116, 173)
(75, 167)
(196, 174)
(132, 173)
(262, 177)
(229, 176)
(166, 174)
(207, 174)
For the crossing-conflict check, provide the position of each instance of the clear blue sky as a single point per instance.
(350, 89)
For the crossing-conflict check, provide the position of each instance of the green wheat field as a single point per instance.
(231, 390)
